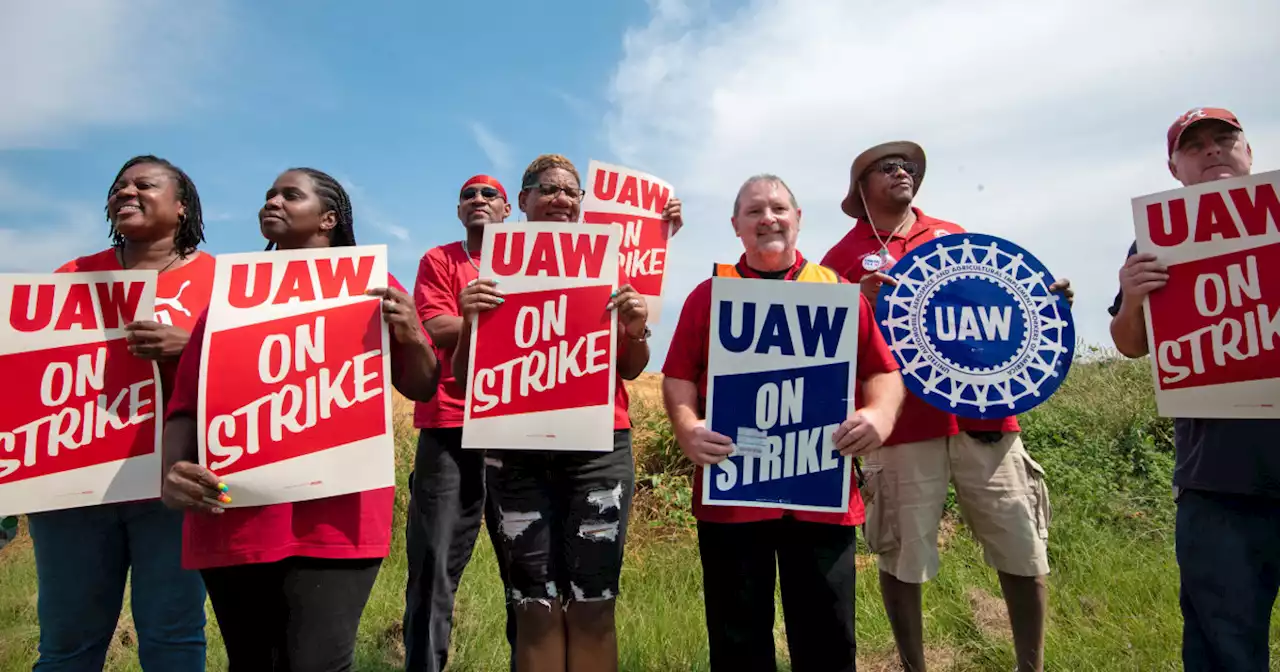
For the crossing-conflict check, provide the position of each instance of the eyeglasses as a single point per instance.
(891, 167)
(489, 193)
(552, 190)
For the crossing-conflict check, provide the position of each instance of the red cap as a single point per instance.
(1194, 116)
(485, 179)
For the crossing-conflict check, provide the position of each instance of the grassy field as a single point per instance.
(1113, 590)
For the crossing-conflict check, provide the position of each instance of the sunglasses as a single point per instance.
(489, 193)
(552, 190)
(891, 167)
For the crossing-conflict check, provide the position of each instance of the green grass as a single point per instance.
(1113, 590)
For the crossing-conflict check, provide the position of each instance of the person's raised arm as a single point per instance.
(633, 346)
(673, 215)
(414, 370)
(1140, 275)
(478, 297)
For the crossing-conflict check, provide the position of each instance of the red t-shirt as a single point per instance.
(357, 525)
(442, 275)
(687, 360)
(919, 420)
(182, 294)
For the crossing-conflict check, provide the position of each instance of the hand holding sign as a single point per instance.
(399, 314)
(632, 311)
(152, 340)
(1063, 286)
(1142, 274)
(478, 297)
(672, 215)
(863, 432)
(191, 486)
(703, 446)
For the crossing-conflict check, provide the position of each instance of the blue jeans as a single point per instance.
(82, 558)
(1228, 549)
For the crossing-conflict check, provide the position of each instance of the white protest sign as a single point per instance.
(1214, 329)
(543, 368)
(781, 377)
(81, 425)
(295, 378)
(633, 202)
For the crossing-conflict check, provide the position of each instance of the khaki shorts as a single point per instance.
(1000, 489)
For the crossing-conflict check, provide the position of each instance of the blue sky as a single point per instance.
(1030, 134)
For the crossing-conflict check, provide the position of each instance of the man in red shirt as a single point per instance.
(1000, 489)
(447, 485)
(740, 546)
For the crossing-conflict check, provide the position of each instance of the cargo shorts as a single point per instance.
(1000, 490)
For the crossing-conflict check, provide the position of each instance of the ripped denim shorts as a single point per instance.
(563, 520)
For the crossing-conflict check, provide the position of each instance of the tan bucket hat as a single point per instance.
(908, 150)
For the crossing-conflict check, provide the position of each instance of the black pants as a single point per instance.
(563, 520)
(815, 564)
(446, 503)
(1228, 549)
(295, 615)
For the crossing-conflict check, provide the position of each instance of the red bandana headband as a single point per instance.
(486, 180)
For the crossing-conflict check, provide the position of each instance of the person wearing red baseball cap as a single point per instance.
(447, 485)
(999, 487)
(1226, 475)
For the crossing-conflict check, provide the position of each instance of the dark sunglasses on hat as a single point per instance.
(489, 193)
(890, 167)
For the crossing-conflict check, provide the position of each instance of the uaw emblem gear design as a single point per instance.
(974, 327)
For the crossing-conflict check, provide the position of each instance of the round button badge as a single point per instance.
(974, 327)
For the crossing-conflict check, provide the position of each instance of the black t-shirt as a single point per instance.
(1232, 456)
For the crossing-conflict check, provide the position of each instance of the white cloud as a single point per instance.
(498, 152)
(1040, 120)
(391, 229)
(53, 232)
(72, 65)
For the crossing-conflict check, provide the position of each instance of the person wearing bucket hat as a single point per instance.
(1226, 475)
(1000, 488)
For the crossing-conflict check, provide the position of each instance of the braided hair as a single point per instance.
(190, 231)
(335, 198)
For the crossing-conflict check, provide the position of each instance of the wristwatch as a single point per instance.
(644, 337)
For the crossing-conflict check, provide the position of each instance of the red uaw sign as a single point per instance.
(1214, 329)
(633, 202)
(80, 423)
(295, 399)
(542, 372)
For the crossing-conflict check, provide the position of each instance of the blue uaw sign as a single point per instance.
(781, 370)
(974, 327)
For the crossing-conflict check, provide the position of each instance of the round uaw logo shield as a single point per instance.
(974, 327)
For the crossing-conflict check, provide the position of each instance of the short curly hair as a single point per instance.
(544, 163)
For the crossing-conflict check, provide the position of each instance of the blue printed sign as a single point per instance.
(974, 327)
(780, 379)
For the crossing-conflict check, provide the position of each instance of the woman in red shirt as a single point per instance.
(83, 555)
(289, 581)
(570, 508)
